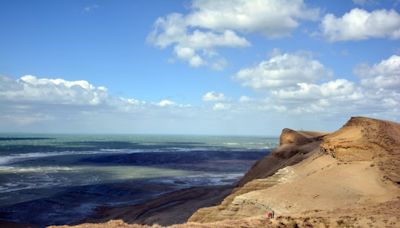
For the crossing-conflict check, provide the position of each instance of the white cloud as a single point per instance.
(339, 90)
(29, 109)
(384, 75)
(283, 70)
(377, 93)
(131, 101)
(57, 91)
(165, 103)
(381, 85)
(272, 18)
(192, 46)
(25, 106)
(37, 104)
(214, 96)
(211, 24)
(221, 106)
(189, 55)
(322, 98)
(359, 24)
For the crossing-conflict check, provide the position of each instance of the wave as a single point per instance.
(231, 143)
(163, 149)
(17, 178)
(10, 159)
(204, 179)
(46, 169)
(4, 160)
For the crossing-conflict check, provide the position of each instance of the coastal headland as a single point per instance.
(350, 177)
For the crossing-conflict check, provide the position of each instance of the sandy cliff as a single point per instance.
(354, 167)
(350, 177)
(365, 139)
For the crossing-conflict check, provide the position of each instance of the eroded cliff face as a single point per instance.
(356, 166)
(294, 146)
(366, 139)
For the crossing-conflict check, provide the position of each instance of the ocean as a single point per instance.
(60, 179)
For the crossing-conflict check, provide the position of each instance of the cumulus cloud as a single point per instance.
(192, 46)
(271, 18)
(30, 100)
(340, 89)
(381, 83)
(38, 104)
(212, 24)
(326, 97)
(384, 75)
(359, 24)
(283, 70)
(377, 93)
(58, 91)
(165, 103)
(214, 96)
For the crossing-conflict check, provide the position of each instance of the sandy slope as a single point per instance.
(353, 167)
(320, 184)
(347, 178)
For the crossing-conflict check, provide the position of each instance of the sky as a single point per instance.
(215, 67)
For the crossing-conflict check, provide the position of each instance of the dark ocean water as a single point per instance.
(61, 179)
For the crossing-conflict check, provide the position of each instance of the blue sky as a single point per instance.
(196, 67)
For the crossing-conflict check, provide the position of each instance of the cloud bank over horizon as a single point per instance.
(283, 85)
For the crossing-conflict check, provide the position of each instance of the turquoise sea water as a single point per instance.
(70, 175)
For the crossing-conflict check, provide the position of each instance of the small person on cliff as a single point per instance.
(270, 214)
